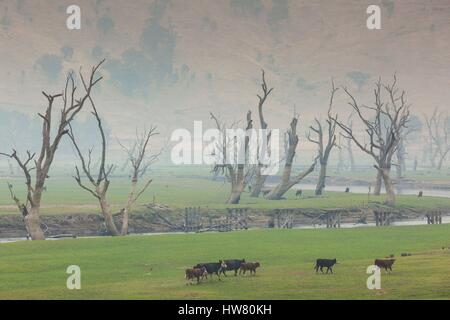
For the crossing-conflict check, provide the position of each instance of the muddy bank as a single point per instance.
(12, 226)
(168, 220)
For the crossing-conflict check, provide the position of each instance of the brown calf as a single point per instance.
(195, 273)
(251, 266)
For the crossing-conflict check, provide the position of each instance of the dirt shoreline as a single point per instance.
(12, 226)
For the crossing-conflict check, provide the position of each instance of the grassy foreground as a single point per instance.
(152, 267)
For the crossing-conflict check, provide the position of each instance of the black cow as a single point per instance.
(328, 263)
(212, 267)
(384, 264)
(232, 264)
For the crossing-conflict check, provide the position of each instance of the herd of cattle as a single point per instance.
(202, 270)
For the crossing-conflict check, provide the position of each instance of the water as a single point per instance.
(399, 223)
(365, 190)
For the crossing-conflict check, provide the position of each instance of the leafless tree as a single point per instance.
(40, 165)
(140, 161)
(286, 181)
(429, 153)
(411, 132)
(238, 172)
(324, 150)
(98, 182)
(401, 159)
(439, 135)
(340, 163)
(390, 116)
(259, 177)
(349, 147)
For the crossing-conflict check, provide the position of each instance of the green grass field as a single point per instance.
(178, 191)
(152, 267)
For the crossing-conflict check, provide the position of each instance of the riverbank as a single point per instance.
(165, 220)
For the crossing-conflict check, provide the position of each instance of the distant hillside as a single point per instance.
(171, 62)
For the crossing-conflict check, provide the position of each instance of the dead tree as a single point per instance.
(324, 150)
(235, 167)
(428, 151)
(439, 135)
(409, 134)
(98, 183)
(259, 177)
(401, 158)
(349, 145)
(41, 163)
(340, 163)
(383, 130)
(140, 162)
(286, 182)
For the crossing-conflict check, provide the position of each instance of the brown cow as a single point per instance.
(251, 266)
(384, 264)
(195, 273)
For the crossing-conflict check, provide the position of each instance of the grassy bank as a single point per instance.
(152, 267)
(65, 197)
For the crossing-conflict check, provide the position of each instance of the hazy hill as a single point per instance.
(171, 62)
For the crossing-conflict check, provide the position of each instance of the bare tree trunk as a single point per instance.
(432, 159)
(401, 166)
(388, 184)
(441, 161)
(260, 179)
(350, 155)
(399, 172)
(321, 182)
(283, 186)
(140, 161)
(278, 192)
(258, 183)
(235, 194)
(286, 183)
(33, 225)
(340, 164)
(378, 182)
(109, 221)
(439, 136)
(238, 173)
(126, 211)
(324, 149)
(235, 197)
